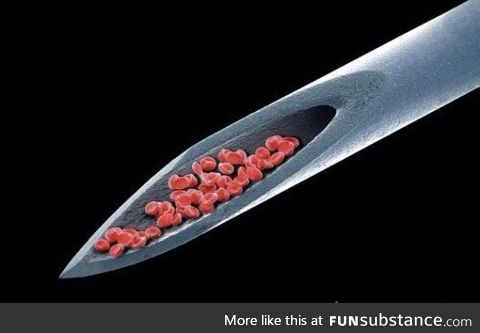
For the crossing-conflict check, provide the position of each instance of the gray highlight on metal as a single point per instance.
(334, 116)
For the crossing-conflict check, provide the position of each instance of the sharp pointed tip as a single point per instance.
(63, 275)
(75, 269)
(68, 272)
(78, 267)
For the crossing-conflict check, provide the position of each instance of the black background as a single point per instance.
(395, 222)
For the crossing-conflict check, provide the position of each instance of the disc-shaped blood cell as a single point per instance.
(102, 245)
(195, 196)
(177, 219)
(226, 168)
(151, 208)
(262, 153)
(222, 155)
(193, 181)
(222, 194)
(272, 142)
(208, 163)
(192, 212)
(125, 238)
(165, 207)
(266, 164)
(234, 189)
(277, 158)
(138, 242)
(207, 189)
(211, 197)
(176, 193)
(112, 234)
(235, 157)
(293, 140)
(209, 178)
(178, 183)
(117, 250)
(254, 174)
(206, 207)
(197, 168)
(253, 160)
(286, 147)
(165, 220)
(131, 231)
(224, 181)
(153, 232)
(183, 200)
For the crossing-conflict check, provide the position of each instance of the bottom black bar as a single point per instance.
(225, 317)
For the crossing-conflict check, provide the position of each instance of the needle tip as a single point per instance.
(67, 273)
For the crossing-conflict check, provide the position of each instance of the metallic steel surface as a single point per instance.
(335, 116)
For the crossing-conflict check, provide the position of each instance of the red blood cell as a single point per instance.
(277, 158)
(242, 181)
(117, 250)
(181, 211)
(102, 245)
(272, 142)
(193, 181)
(222, 194)
(221, 155)
(286, 147)
(112, 234)
(171, 179)
(242, 172)
(197, 168)
(243, 153)
(183, 200)
(236, 157)
(226, 168)
(138, 242)
(177, 219)
(266, 164)
(125, 238)
(210, 197)
(153, 232)
(131, 231)
(253, 160)
(171, 209)
(151, 208)
(242, 178)
(143, 234)
(165, 220)
(224, 181)
(209, 178)
(174, 194)
(192, 212)
(207, 189)
(208, 163)
(293, 140)
(234, 189)
(262, 153)
(178, 183)
(254, 174)
(195, 196)
(206, 207)
(165, 207)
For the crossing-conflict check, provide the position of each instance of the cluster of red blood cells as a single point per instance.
(116, 240)
(212, 181)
